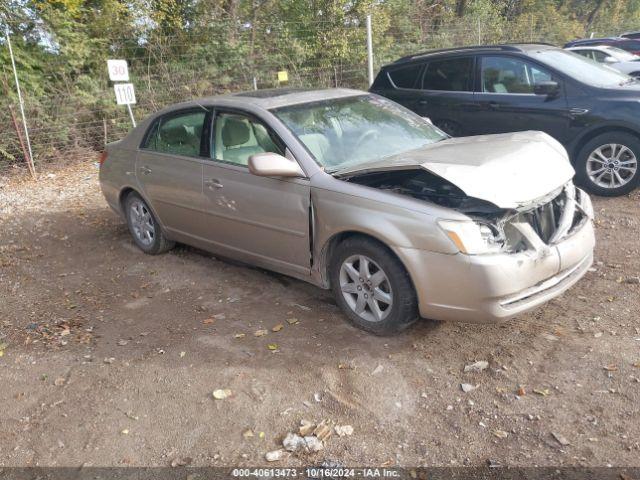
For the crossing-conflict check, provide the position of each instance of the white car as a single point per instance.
(613, 57)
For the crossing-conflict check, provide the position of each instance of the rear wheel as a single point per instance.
(608, 164)
(143, 226)
(372, 287)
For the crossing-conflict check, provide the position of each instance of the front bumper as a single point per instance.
(486, 288)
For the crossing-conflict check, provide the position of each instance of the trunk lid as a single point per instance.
(510, 170)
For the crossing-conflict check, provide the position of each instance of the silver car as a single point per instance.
(621, 60)
(354, 193)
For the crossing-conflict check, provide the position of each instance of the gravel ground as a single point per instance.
(110, 357)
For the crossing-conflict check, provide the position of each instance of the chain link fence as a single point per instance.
(69, 126)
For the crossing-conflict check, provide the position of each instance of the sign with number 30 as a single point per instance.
(118, 70)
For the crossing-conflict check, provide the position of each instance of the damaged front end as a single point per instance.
(535, 225)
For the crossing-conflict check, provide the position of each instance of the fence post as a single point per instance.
(30, 163)
(369, 50)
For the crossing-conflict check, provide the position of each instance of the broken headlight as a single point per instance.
(473, 238)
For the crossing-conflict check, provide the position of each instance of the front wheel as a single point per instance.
(372, 287)
(608, 164)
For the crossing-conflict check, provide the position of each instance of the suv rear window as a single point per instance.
(405, 77)
(453, 74)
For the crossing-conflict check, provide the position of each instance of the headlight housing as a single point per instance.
(473, 238)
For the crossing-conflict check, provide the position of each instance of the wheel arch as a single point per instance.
(594, 132)
(125, 192)
(326, 253)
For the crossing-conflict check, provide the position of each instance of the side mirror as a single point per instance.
(610, 60)
(269, 164)
(550, 89)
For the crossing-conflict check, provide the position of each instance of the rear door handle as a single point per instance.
(213, 183)
(145, 170)
(423, 102)
(494, 105)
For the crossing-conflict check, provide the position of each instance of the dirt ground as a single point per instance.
(110, 357)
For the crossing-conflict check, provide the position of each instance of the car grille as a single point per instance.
(554, 220)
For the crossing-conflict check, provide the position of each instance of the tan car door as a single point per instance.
(261, 219)
(169, 169)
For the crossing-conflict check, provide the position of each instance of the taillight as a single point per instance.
(103, 157)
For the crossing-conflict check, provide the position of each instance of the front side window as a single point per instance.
(237, 137)
(405, 77)
(599, 56)
(585, 53)
(511, 75)
(354, 131)
(454, 75)
(177, 134)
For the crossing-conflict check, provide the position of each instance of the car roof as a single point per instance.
(600, 39)
(592, 47)
(267, 98)
(504, 47)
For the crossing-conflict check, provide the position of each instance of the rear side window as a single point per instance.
(177, 134)
(453, 74)
(406, 77)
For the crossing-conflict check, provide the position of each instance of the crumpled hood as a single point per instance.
(509, 170)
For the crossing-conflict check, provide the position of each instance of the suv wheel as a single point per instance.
(372, 287)
(608, 164)
(143, 226)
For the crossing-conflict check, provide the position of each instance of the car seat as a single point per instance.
(236, 133)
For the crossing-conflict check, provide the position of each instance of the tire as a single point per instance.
(394, 296)
(592, 157)
(143, 226)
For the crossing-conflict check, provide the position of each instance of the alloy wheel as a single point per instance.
(366, 288)
(142, 222)
(612, 166)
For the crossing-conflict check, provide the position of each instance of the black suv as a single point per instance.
(592, 110)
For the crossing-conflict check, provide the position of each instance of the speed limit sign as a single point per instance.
(118, 70)
(125, 95)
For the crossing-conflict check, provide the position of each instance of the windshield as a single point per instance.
(621, 55)
(347, 132)
(582, 69)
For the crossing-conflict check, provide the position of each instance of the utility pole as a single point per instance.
(21, 102)
(369, 50)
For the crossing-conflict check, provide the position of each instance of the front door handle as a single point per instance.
(494, 105)
(145, 170)
(213, 183)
